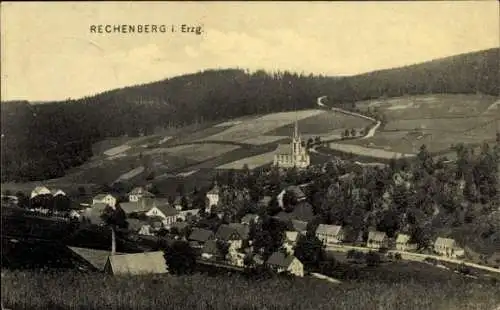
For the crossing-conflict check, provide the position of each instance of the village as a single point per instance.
(239, 224)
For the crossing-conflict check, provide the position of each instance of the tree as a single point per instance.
(180, 258)
(114, 218)
(310, 250)
(346, 133)
(372, 259)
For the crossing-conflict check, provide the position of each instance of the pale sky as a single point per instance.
(48, 52)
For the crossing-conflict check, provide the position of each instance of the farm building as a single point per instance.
(377, 240)
(403, 243)
(136, 264)
(95, 259)
(294, 154)
(330, 234)
(281, 262)
(166, 212)
(211, 250)
(40, 190)
(105, 198)
(138, 193)
(448, 247)
(200, 236)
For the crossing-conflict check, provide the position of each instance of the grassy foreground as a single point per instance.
(69, 290)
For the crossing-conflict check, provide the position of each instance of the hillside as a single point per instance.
(44, 140)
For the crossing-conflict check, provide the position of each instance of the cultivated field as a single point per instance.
(252, 162)
(195, 152)
(323, 124)
(365, 151)
(254, 128)
(29, 290)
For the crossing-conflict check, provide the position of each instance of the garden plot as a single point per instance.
(117, 150)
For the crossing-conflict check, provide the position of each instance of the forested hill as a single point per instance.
(41, 141)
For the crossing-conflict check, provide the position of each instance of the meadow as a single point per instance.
(323, 124)
(71, 290)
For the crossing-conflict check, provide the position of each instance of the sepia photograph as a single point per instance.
(250, 155)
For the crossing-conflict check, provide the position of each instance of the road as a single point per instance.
(411, 256)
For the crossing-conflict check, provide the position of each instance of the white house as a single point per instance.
(137, 193)
(403, 243)
(213, 197)
(40, 190)
(448, 247)
(330, 234)
(377, 240)
(166, 212)
(108, 199)
(281, 262)
(290, 241)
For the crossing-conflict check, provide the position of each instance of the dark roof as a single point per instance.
(280, 259)
(200, 234)
(96, 258)
(248, 218)
(179, 225)
(299, 226)
(210, 247)
(132, 207)
(167, 210)
(226, 233)
(302, 212)
(243, 230)
(135, 224)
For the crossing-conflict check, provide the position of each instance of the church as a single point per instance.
(292, 155)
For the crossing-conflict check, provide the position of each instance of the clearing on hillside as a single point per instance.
(324, 124)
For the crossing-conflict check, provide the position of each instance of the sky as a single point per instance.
(49, 53)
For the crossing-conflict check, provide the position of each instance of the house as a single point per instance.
(294, 154)
(95, 259)
(330, 234)
(200, 236)
(40, 190)
(187, 214)
(280, 262)
(213, 197)
(134, 207)
(295, 190)
(377, 240)
(166, 212)
(403, 243)
(303, 211)
(211, 250)
(106, 199)
(231, 235)
(138, 193)
(290, 241)
(136, 264)
(299, 226)
(448, 247)
(57, 192)
(249, 218)
(179, 226)
(242, 229)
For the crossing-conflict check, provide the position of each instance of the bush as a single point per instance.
(397, 256)
(372, 259)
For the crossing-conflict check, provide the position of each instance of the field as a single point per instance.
(434, 120)
(438, 121)
(322, 124)
(68, 290)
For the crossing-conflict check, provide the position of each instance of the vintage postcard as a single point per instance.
(250, 155)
